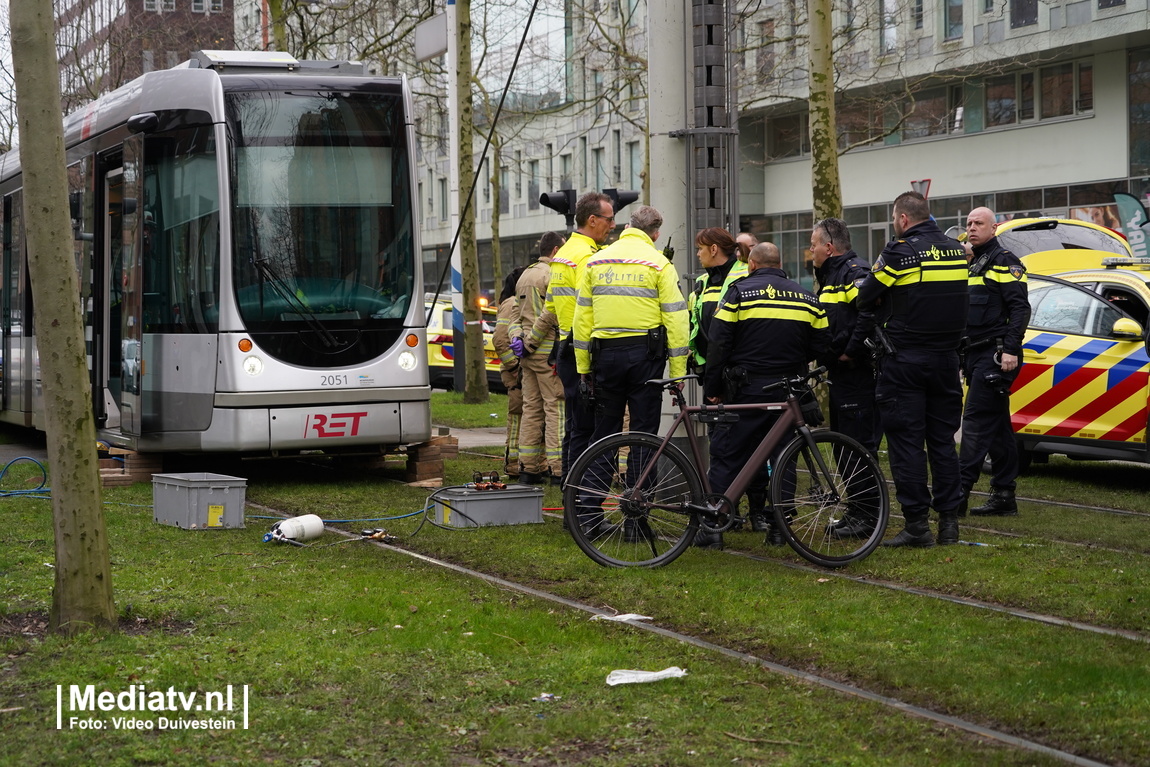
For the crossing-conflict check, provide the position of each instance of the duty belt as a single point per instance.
(607, 343)
(982, 343)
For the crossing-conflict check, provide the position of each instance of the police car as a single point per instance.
(1084, 387)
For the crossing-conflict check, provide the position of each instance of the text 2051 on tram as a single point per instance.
(248, 256)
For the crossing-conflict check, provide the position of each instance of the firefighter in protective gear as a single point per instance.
(594, 221)
(999, 314)
(767, 329)
(509, 371)
(630, 320)
(543, 419)
(917, 289)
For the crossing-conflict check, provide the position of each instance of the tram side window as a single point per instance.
(181, 233)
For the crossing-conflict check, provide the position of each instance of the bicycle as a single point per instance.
(637, 500)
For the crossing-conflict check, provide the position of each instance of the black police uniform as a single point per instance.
(999, 313)
(852, 409)
(918, 291)
(769, 329)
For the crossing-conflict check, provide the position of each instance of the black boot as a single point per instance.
(775, 535)
(1001, 504)
(705, 540)
(756, 510)
(853, 527)
(916, 534)
(947, 528)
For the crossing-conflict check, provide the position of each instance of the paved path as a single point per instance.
(483, 437)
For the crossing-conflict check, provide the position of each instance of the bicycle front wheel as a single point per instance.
(625, 501)
(819, 479)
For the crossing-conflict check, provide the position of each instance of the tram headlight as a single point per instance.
(407, 361)
(253, 365)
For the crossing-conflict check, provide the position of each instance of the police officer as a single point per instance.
(543, 405)
(767, 329)
(840, 272)
(917, 289)
(630, 319)
(594, 221)
(724, 260)
(999, 313)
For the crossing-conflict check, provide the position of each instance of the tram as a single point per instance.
(246, 237)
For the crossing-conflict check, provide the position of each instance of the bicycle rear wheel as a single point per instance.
(625, 502)
(814, 484)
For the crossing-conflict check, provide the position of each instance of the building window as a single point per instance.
(217, 5)
(168, 5)
(1057, 91)
(1023, 13)
(634, 165)
(1063, 90)
(150, 5)
(198, 6)
(149, 62)
(788, 137)
(533, 185)
(1111, 3)
(888, 34)
(1085, 100)
(916, 13)
(765, 55)
(936, 112)
(1138, 84)
(953, 19)
(565, 172)
(443, 206)
(1001, 101)
(598, 168)
(858, 124)
(518, 175)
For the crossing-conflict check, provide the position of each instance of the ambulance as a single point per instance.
(1084, 386)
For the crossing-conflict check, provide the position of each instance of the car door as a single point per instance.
(1084, 378)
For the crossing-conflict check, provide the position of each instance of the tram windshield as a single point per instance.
(322, 207)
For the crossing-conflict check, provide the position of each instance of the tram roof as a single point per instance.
(198, 83)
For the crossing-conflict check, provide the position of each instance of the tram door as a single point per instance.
(122, 348)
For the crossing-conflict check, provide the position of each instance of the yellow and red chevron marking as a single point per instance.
(1089, 389)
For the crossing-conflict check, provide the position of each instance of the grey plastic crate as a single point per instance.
(515, 505)
(199, 501)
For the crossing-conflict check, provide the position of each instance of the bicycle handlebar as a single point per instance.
(799, 384)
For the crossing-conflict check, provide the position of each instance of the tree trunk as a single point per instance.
(828, 196)
(82, 597)
(475, 376)
(278, 24)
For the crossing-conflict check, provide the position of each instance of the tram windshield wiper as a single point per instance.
(297, 304)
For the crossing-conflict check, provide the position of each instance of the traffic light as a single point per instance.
(620, 198)
(562, 202)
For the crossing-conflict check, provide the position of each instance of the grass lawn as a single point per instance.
(358, 655)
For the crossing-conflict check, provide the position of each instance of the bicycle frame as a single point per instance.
(790, 421)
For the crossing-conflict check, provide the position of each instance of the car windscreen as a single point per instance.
(1060, 235)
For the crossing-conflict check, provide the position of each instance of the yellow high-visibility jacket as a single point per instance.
(562, 286)
(627, 289)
